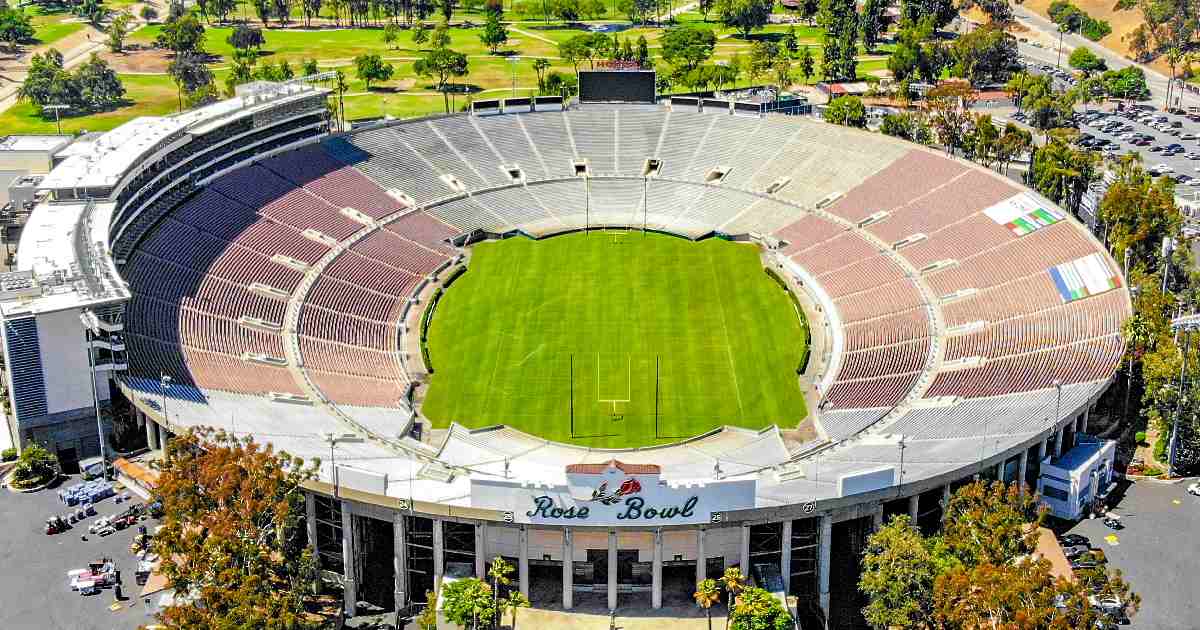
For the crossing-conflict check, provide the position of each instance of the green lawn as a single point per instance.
(148, 95)
(535, 328)
(52, 32)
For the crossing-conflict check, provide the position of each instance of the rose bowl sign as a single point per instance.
(613, 493)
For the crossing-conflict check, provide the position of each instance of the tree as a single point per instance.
(47, 83)
(232, 534)
(93, 11)
(391, 34)
(469, 603)
(758, 609)
(34, 467)
(807, 64)
(283, 10)
(1062, 172)
(15, 28)
(117, 29)
(643, 52)
(510, 604)
(371, 69)
(977, 573)
(762, 56)
(1083, 59)
(986, 55)
(790, 43)
(809, 9)
(246, 37)
(242, 70)
(846, 110)
(910, 126)
(870, 23)
(707, 593)
(733, 582)
(1014, 142)
(310, 67)
(493, 35)
(745, 15)
(939, 12)
(915, 57)
(576, 49)
(951, 117)
(1140, 212)
(686, 47)
(1035, 94)
(311, 8)
(99, 87)
(182, 35)
(148, 13)
(442, 64)
(189, 73)
(500, 573)
(440, 38)
(447, 7)
(840, 22)
(262, 8)
(782, 71)
(705, 7)
(420, 34)
(540, 66)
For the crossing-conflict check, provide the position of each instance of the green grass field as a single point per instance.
(535, 328)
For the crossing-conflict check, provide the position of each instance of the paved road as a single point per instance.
(1158, 552)
(1155, 80)
(33, 583)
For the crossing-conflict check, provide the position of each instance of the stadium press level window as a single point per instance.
(716, 175)
(652, 167)
(581, 168)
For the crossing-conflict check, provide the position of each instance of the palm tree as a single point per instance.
(733, 581)
(707, 593)
(511, 603)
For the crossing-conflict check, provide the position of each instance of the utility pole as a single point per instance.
(55, 109)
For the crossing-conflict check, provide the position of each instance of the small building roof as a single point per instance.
(47, 144)
(599, 468)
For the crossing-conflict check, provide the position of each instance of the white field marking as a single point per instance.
(530, 355)
(496, 363)
(628, 382)
(737, 388)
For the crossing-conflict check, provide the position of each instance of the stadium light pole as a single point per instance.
(90, 324)
(334, 439)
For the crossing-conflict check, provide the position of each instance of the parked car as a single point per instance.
(1084, 563)
(1074, 539)
(1075, 551)
(1194, 489)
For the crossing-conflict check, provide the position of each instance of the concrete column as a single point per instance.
(481, 556)
(1000, 471)
(1083, 423)
(399, 560)
(163, 435)
(152, 434)
(1042, 448)
(1058, 442)
(877, 517)
(310, 520)
(656, 572)
(612, 570)
(701, 564)
(823, 558)
(945, 497)
(785, 559)
(439, 555)
(568, 580)
(744, 561)
(523, 563)
(349, 560)
(1022, 470)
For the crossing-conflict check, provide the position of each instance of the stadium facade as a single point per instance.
(240, 266)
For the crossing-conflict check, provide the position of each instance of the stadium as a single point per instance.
(623, 346)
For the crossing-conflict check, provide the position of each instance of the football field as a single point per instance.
(615, 340)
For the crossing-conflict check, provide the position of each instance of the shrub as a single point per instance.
(35, 466)
(1160, 446)
(1094, 29)
(1140, 437)
(8, 454)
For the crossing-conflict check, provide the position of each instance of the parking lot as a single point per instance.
(1157, 551)
(34, 580)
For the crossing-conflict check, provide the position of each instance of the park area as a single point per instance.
(615, 340)
(517, 67)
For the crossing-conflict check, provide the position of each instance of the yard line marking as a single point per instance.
(737, 388)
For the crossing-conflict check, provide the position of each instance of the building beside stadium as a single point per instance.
(245, 266)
